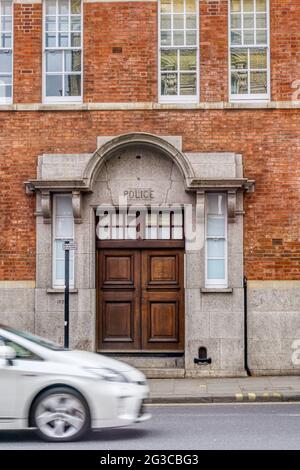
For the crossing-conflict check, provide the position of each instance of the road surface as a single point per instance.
(205, 426)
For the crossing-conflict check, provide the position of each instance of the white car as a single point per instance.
(64, 393)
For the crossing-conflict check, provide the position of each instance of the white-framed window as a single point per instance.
(6, 51)
(178, 51)
(63, 230)
(249, 55)
(216, 240)
(62, 38)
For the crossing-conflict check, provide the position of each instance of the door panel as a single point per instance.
(119, 292)
(162, 300)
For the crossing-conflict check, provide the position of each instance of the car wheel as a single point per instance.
(60, 414)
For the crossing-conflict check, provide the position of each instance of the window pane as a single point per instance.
(258, 82)
(165, 219)
(75, 23)
(164, 233)
(75, 39)
(248, 37)
(151, 233)
(6, 23)
(239, 58)
(191, 38)
(50, 7)
(76, 6)
(261, 5)
(261, 20)
(178, 22)
(5, 90)
(54, 85)
(6, 40)
(5, 79)
(216, 269)
(188, 83)
(50, 23)
(165, 38)
(239, 83)
(215, 227)
(248, 21)
(64, 206)
(169, 84)
(60, 252)
(63, 40)
(190, 6)
(6, 62)
(50, 40)
(72, 85)
(168, 60)
(63, 23)
(191, 22)
(165, 6)
(64, 227)
(215, 248)
(188, 59)
(60, 270)
(236, 38)
(54, 61)
(216, 204)
(236, 22)
(178, 5)
(248, 5)
(72, 61)
(177, 218)
(165, 22)
(258, 59)
(235, 5)
(261, 36)
(63, 7)
(178, 38)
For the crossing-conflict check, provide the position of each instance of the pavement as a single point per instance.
(186, 427)
(225, 390)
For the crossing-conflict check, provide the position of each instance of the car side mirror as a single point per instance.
(7, 353)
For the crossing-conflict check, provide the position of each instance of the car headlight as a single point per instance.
(109, 375)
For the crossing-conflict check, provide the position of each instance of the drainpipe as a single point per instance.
(246, 328)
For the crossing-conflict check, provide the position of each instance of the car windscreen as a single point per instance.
(34, 339)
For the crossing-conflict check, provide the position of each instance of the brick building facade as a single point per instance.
(192, 102)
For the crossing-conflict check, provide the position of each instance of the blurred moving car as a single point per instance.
(64, 393)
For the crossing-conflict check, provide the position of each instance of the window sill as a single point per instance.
(61, 291)
(216, 290)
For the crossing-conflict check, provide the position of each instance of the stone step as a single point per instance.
(173, 373)
(152, 362)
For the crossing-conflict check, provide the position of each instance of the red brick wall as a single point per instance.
(268, 139)
(130, 73)
(214, 50)
(27, 53)
(285, 48)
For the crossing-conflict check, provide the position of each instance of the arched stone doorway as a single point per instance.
(140, 193)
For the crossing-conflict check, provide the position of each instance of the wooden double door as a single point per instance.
(140, 300)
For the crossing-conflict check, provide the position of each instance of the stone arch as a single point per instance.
(133, 139)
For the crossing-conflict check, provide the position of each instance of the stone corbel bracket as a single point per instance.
(46, 206)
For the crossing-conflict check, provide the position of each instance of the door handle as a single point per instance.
(30, 375)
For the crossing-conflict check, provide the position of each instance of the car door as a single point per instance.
(17, 381)
(8, 390)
